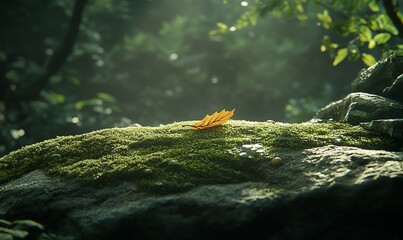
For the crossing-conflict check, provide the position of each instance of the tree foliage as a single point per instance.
(370, 29)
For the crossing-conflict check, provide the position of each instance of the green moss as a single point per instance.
(173, 157)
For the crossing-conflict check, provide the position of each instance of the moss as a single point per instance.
(173, 157)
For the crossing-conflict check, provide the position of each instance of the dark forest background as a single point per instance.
(69, 67)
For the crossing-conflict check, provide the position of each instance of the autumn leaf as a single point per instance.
(213, 120)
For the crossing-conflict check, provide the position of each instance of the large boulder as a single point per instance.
(326, 192)
(361, 107)
(245, 180)
(385, 78)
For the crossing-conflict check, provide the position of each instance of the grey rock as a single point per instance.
(326, 192)
(384, 78)
(390, 127)
(395, 90)
(361, 107)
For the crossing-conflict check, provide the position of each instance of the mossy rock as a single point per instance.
(174, 158)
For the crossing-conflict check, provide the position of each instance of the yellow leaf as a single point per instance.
(213, 120)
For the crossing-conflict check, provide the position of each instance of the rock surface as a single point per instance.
(394, 91)
(377, 101)
(390, 127)
(328, 192)
(383, 79)
(361, 107)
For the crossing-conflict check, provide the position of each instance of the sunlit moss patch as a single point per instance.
(173, 157)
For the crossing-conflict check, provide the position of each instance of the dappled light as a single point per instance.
(155, 62)
(201, 119)
(71, 68)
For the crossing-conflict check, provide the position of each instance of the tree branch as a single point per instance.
(61, 53)
(391, 10)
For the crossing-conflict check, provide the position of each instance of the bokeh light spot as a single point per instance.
(214, 80)
(173, 56)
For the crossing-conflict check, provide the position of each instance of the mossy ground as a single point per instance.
(173, 157)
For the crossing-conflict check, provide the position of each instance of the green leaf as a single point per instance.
(27, 224)
(381, 38)
(14, 233)
(53, 97)
(380, 21)
(340, 56)
(327, 44)
(213, 33)
(80, 104)
(325, 18)
(391, 28)
(6, 236)
(334, 45)
(373, 6)
(302, 17)
(106, 97)
(241, 23)
(253, 18)
(365, 34)
(91, 102)
(5, 223)
(222, 26)
(371, 44)
(300, 8)
(368, 59)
